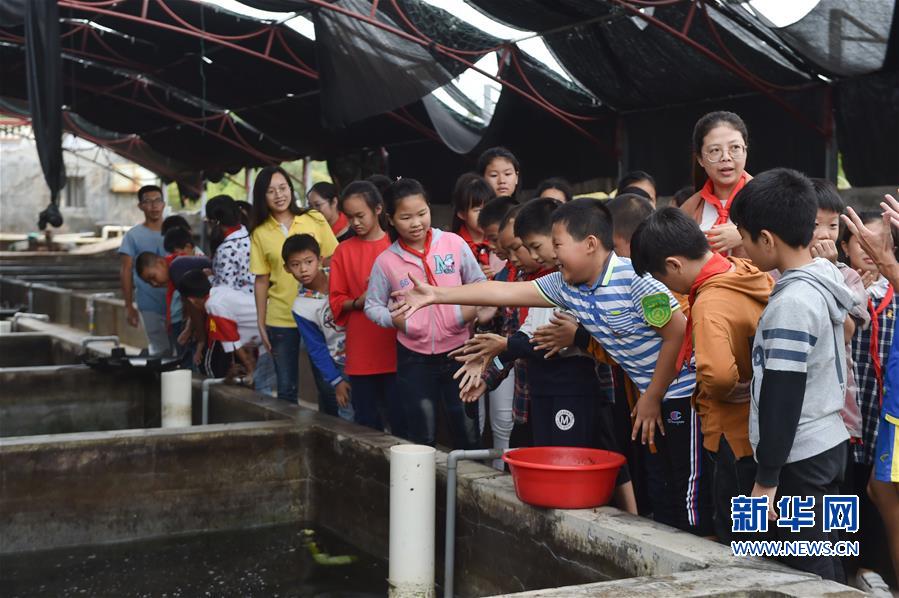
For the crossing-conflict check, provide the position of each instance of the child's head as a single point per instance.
(408, 210)
(490, 218)
(512, 246)
(178, 241)
(720, 141)
(174, 221)
(775, 214)
(151, 202)
(855, 256)
(830, 206)
(628, 211)
(364, 208)
(555, 188)
(273, 194)
(582, 238)
(670, 246)
(302, 257)
(500, 169)
(223, 211)
(152, 269)
(194, 286)
(322, 196)
(470, 195)
(638, 179)
(533, 225)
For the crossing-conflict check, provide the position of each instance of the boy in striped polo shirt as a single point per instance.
(636, 320)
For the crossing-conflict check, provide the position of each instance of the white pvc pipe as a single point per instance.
(412, 513)
(5, 327)
(176, 399)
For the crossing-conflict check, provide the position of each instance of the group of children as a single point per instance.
(722, 346)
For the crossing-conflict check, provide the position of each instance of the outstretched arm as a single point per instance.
(498, 294)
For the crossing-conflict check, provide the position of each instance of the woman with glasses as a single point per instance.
(277, 216)
(719, 172)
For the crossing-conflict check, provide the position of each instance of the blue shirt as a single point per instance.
(611, 310)
(890, 406)
(138, 240)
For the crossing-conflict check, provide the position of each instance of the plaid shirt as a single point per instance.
(508, 325)
(869, 395)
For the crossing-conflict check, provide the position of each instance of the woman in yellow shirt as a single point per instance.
(277, 216)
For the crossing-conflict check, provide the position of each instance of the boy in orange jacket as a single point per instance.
(727, 297)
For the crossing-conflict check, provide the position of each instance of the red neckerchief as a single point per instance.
(715, 266)
(874, 348)
(341, 224)
(230, 230)
(523, 311)
(480, 250)
(707, 193)
(423, 256)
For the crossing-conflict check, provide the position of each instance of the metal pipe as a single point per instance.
(91, 310)
(89, 340)
(21, 315)
(449, 556)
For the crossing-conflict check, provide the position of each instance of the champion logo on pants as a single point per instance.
(564, 419)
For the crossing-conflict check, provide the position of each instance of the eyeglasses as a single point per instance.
(716, 154)
(273, 191)
(151, 202)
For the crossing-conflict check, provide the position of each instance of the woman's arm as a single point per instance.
(260, 294)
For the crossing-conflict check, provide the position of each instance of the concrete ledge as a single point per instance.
(727, 581)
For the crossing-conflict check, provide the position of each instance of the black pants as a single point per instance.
(731, 477)
(815, 476)
(678, 474)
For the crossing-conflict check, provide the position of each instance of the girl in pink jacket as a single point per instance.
(424, 371)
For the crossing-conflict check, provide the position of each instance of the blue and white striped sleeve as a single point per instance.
(643, 286)
(550, 286)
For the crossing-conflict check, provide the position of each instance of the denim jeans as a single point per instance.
(286, 353)
(264, 377)
(374, 394)
(425, 382)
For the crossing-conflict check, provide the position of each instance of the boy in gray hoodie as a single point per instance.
(799, 379)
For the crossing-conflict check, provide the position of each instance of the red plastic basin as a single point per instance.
(561, 477)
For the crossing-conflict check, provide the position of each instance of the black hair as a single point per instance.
(491, 154)
(380, 181)
(634, 176)
(177, 238)
(147, 189)
(829, 199)
(510, 216)
(174, 221)
(297, 243)
(245, 211)
(536, 217)
(260, 187)
(665, 233)
(194, 283)
(145, 260)
(400, 190)
(223, 210)
(370, 193)
(634, 191)
(585, 217)
(628, 210)
(781, 201)
(702, 128)
(325, 190)
(556, 183)
(495, 210)
(470, 191)
(682, 195)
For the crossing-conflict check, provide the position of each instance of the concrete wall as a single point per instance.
(28, 349)
(24, 193)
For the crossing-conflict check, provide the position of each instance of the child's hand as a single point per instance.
(770, 493)
(480, 347)
(263, 336)
(824, 248)
(868, 277)
(557, 335)
(342, 391)
(469, 375)
(647, 415)
(723, 237)
(487, 270)
(474, 393)
(409, 301)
